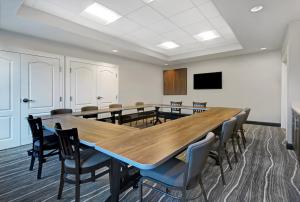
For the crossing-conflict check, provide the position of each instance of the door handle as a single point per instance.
(99, 97)
(25, 100)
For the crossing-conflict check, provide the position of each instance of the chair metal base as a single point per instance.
(168, 187)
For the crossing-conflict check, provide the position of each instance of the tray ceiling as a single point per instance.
(150, 24)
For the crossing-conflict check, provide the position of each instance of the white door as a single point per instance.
(9, 100)
(83, 85)
(41, 89)
(107, 86)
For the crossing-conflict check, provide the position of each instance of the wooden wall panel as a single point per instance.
(169, 82)
(175, 82)
(181, 82)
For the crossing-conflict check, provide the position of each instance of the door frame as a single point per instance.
(67, 85)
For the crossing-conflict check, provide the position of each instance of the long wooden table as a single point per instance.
(126, 108)
(90, 131)
(143, 148)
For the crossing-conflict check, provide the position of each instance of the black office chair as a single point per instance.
(44, 144)
(61, 111)
(77, 162)
(201, 105)
(140, 112)
(174, 109)
(176, 104)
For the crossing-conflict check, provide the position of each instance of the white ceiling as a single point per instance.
(148, 25)
(143, 26)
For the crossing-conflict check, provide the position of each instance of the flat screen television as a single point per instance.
(208, 80)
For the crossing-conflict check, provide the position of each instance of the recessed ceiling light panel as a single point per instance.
(208, 35)
(148, 1)
(103, 14)
(168, 45)
(256, 9)
(263, 48)
(115, 51)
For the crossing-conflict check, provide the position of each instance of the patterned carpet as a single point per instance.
(266, 171)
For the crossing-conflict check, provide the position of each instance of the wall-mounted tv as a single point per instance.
(208, 80)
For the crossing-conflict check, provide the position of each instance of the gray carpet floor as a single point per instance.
(266, 171)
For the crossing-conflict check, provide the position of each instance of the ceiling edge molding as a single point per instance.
(24, 48)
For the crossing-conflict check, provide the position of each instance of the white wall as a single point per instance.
(292, 50)
(138, 81)
(248, 81)
(284, 95)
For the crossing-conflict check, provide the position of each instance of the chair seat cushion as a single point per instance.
(50, 141)
(50, 136)
(170, 173)
(88, 158)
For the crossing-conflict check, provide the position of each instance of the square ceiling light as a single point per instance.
(103, 14)
(208, 35)
(168, 45)
(148, 1)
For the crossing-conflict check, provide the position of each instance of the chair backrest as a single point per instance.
(115, 106)
(196, 157)
(239, 120)
(68, 143)
(227, 130)
(61, 111)
(140, 106)
(200, 105)
(178, 104)
(36, 128)
(89, 108)
(139, 103)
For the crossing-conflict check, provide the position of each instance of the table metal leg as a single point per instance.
(113, 117)
(157, 116)
(121, 179)
(115, 181)
(120, 121)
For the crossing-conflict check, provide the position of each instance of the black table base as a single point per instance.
(122, 178)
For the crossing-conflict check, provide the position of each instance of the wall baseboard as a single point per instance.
(290, 146)
(263, 123)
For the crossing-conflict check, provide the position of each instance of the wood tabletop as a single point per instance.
(149, 147)
(108, 110)
(90, 131)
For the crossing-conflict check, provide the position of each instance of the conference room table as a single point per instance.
(119, 111)
(141, 148)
